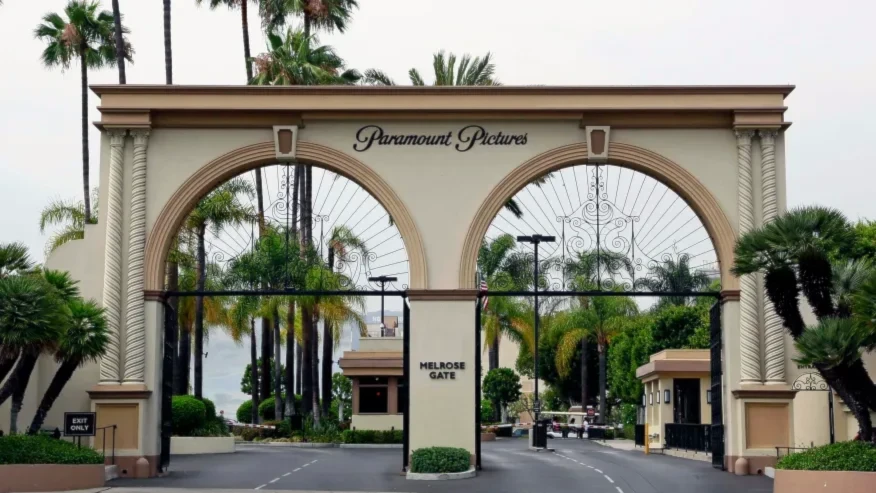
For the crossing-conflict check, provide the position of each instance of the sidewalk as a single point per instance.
(619, 444)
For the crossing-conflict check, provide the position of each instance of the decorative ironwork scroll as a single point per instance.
(810, 382)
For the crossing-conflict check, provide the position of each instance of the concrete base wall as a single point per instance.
(377, 421)
(50, 477)
(201, 445)
(821, 481)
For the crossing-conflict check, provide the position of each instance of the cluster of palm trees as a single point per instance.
(574, 322)
(42, 313)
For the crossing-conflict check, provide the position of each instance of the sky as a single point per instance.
(824, 49)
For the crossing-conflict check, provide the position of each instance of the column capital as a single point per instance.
(117, 136)
(767, 136)
(744, 136)
(140, 135)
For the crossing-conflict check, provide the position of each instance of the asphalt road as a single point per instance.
(508, 466)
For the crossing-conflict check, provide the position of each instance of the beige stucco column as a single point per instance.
(774, 334)
(748, 294)
(135, 321)
(442, 330)
(112, 277)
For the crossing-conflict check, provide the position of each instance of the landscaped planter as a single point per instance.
(201, 445)
(50, 477)
(788, 481)
(442, 476)
(488, 437)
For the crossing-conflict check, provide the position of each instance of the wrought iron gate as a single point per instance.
(717, 400)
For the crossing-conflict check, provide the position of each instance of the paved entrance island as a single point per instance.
(442, 161)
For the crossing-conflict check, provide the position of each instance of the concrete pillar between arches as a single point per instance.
(442, 410)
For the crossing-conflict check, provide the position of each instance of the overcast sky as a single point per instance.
(825, 49)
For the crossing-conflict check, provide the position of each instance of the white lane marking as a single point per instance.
(608, 478)
(288, 473)
(305, 465)
(313, 461)
(296, 470)
(619, 490)
(260, 487)
(597, 470)
(591, 467)
(273, 480)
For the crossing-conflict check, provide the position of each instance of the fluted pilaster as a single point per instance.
(774, 334)
(748, 320)
(135, 318)
(112, 266)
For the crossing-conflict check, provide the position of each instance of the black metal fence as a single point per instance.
(640, 435)
(688, 437)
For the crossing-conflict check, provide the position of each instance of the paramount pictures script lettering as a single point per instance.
(463, 140)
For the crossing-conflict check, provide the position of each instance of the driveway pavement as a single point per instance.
(508, 467)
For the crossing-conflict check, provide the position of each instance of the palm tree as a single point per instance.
(294, 59)
(119, 41)
(14, 260)
(33, 311)
(85, 339)
(675, 276)
(325, 15)
(85, 34)
(341, 242)
(794, 253)
(243, 5)
(70, 216)
(601, 320)
(477, 71)
(213, 312)
(168, 48)
(220, 208)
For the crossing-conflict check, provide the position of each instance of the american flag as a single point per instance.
(484, 289)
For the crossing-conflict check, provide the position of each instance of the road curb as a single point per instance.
(372, 445)
(289, 444)
(446, 476)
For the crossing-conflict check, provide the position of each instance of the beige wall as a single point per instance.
(381, 344)
(378, 421)
(442, 410)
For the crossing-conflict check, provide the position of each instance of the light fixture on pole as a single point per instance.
(535, 240)
(382, 280)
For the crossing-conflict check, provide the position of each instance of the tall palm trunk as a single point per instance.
(120, 42)
(314, 360)
(85, 178)
(168, 50)
(267, 348)
(584, 373)
(602, 391)
(199, 315)
(254, 371)
(278, 374)
(306, 358)
(16, 385)
(6, 364)
(493, 355)
(290, 359)
(299, 355)
(328, 344)
(185, 360)
(245, 24)
(62, 376)
(172, 269)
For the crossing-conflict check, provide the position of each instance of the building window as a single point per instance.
(402, 392)
(373, 395)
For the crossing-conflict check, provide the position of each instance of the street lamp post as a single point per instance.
(534, 240)
(382, 280)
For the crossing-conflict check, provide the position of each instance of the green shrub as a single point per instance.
(40, 449)
(842, 456)
(209, 408)
(188, 414)
(630, 432)
(249, 434)
(372, 436)
(440, 460)
(244, 412)
(266, 409)
(486, 411)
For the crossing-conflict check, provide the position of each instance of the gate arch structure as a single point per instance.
(442, 162)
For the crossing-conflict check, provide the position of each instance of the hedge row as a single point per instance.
(841, 456)
(41, 449)
(372, 436)
(195, 417)
(440, 460)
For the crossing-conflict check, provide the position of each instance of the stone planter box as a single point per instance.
(423, 476)
(822, 481)
(488, 437)
(50, 477)
(201, 445)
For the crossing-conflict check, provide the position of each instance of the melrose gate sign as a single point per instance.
(464, 139)
(445, 369)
